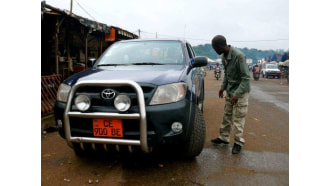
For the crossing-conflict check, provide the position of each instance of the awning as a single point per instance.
(285, 63)
(48, 9)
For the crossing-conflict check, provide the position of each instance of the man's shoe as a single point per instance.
(219, 141)
(236, 149)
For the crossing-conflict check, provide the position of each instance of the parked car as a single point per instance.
(270, 70)
(139, 94)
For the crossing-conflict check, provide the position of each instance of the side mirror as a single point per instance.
(200, 61)
(91, 62)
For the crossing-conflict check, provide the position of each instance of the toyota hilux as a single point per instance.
(138, 95)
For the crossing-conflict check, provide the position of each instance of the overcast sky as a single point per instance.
(261, 24)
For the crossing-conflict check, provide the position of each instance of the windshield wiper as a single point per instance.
(111, 65)
(147, 63)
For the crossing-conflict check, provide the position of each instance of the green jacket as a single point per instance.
(237, 77)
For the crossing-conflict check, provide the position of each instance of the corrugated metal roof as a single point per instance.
(46, 8)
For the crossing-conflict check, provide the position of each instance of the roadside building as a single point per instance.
(67, 42)
(249, 62)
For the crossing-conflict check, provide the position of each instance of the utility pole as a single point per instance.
(139, 33)
(71, 8)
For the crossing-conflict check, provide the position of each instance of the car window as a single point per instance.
(162, 52)
(271, 66)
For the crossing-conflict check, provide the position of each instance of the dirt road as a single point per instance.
(264, 159)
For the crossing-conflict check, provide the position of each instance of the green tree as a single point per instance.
(285, 56)
(254, 54)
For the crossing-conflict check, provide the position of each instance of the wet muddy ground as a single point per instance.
(264, 159)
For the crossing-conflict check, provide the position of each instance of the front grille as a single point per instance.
(98, 104)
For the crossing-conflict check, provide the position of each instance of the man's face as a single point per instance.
(219, 49)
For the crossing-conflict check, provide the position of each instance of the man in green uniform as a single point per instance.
(237, 85)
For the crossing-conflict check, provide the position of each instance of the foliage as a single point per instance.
(254, 54)
(206, 50)
(285, 56)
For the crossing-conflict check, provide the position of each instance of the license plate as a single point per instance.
(108, 128)
(274, 74)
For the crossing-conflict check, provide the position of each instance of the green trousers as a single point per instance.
(234, 117)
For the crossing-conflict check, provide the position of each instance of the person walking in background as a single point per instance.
(236, 83)
(256, 69)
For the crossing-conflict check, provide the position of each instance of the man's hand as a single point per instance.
(221, 93)
(234, 100)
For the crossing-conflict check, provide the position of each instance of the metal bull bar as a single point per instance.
(141, 115)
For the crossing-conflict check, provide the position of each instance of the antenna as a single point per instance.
(71, 8)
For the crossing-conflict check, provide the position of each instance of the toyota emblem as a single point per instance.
(108, 94)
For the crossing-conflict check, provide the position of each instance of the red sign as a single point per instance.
(111, 37)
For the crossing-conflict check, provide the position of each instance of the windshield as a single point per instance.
(143, 53)
(271, 66)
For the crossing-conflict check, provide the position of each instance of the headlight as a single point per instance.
(122, 103)
(82, 102)
(63, 92)
(169, 93)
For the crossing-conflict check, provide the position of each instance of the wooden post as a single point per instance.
(100, 47)
(86, 51)
(56, 53)
(58, 24)
(88, 31)
(68, 39)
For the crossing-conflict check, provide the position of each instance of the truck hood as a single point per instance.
(272, 70)
(157, 76)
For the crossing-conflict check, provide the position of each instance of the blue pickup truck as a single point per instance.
(139, 94)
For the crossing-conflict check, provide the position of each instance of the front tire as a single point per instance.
(194, 146)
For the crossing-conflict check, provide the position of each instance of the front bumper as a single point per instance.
(273, 74)
(152, 129)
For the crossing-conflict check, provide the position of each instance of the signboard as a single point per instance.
(249, 61)
(111, 37)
